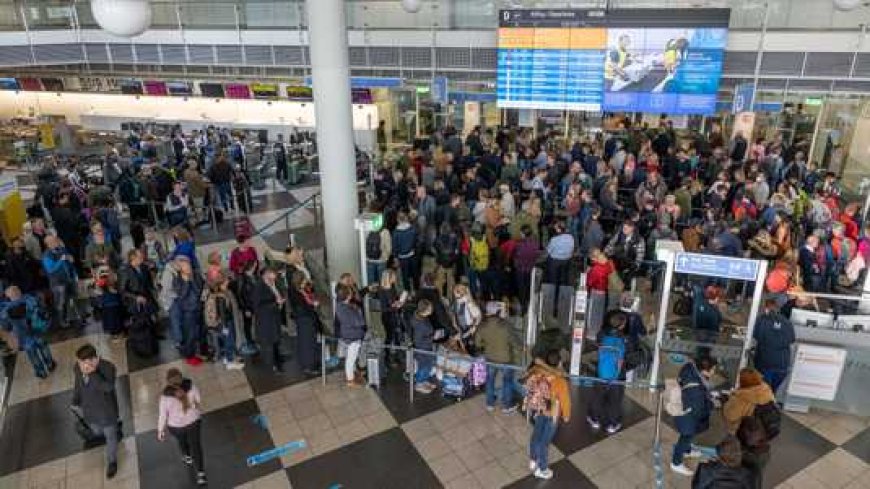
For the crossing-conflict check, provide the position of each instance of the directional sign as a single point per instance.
(716, 266)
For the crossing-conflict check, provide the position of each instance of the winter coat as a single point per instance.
(352, 320)
(267, 313)
(774, 334)
(742, 403)
(697, 404)
(716, 475)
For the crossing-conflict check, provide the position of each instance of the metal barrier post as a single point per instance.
(323, 359)
(153, 213)
(211, 215)
(658, 469)
(409, 367)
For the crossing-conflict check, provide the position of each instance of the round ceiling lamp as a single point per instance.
(123, 18)
(411, 6)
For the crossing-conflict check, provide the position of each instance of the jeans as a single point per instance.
(350, 359)
(605, 405)
(473, 280)
(190, 443)
(175, 324)
(774, 378)
(681, 448)
(509, 386)
(111, 435)
(191, 332)
(424, 368)
(374, 269)
(225, 192)
(223, 341)
(64, 304)
(542, 434)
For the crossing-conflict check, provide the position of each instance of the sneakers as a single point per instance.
(111, 470)
(424, 388)
(613, 428)
(545, 474)
(193, 361)
(592, 423)
(201, 479)
(187, 459)
(234, 365)
(682, 470)
(509, 410)
(533, 466)
(490, 409)
(695, 453)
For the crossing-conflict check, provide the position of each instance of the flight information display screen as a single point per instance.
(660, 61)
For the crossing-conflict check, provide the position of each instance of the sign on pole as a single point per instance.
(743, 95)
(716, 266)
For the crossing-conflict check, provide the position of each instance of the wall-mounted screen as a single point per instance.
(264, 90)
(215, 90)
(180, 88)
(155, 87)
(131, 87)
(653, 60)
(299, 93)
(52, 84)
(237, 90)
(361, 96)
(30, 84)
(9, 84)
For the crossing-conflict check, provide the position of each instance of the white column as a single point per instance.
(330, 73)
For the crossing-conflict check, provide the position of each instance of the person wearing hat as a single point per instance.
(492, 339)
(423, 335)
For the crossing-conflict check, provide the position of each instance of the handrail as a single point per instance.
(310, 199)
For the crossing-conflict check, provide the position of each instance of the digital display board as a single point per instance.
(652, 60)
(237, 90)
(179, 88)
(299, 93)
(264, 90)
(131, 87)
(52, 84)
(9, 84)
(215, 90)
(154, 87)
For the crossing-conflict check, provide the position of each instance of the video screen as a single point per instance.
(215, 90)
(131, 87)
(652, 60)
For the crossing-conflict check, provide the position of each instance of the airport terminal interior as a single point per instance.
(342, 244)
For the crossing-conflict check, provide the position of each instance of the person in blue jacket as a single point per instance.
(774, 336)
(20, 314)
(697, 405)
(405, 249)
(59, 266)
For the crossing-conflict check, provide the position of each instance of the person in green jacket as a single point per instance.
(493, 340)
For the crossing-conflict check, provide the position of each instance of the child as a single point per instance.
(353, 329)
(109, 302)
(605, 407)
(21, 314)
(423, 333)
(223, 318)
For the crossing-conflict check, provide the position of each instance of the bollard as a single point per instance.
(323, 359)
(409, 367)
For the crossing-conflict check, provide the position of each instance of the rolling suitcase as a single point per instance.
(141, 338)
(40, 357)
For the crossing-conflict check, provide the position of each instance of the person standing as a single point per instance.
(605, 407)
(774, 335)
(188, 299)
(692, 416)
(267, 303)
(423, 334)
(379, 247)
(493, 339)
(62, 278)
(350, 316)
(221, 176)
(279, 154)
(547, 399)
(180, 414)
(95, 397)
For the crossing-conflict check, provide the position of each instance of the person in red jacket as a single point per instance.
(242, 255)
(850, 219)
(597, 280)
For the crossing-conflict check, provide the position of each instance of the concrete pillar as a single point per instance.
(330, 73)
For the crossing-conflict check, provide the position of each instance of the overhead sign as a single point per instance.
(439, 89)
(368, 82)
(716, 266)
(816, 372)
(743, 95)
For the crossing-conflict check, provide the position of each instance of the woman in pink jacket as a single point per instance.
(180, 412)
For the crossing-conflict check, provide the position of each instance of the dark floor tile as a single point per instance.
(387, 460)
(578, 435)
(394, 394)
(793, 450)
(228, 437)
(280, 199)
(859, 445)
(565, 475)
(42, 430)
(263, 379)
(308, 237)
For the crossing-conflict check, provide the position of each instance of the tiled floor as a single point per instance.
(359, 437)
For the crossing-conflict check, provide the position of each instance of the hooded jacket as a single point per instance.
(696, 402)
(742, 403)
(774, 335)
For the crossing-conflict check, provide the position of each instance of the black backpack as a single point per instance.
(770, 417)
(446, 250)
(373, 245)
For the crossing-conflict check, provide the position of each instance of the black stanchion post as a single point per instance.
(409, 367)
(323, 350)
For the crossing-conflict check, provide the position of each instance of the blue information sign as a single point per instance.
(716, 266)
(743, 95)
(439, 90)
(368, 82)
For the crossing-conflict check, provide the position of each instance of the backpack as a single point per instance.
(538, 393)
(446, 250)
(611, 355)
(770, 417)
(777, 281)
(129, 190)
(373, 245)
(674, 397)
(479, 254)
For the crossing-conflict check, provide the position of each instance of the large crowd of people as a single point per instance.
(465, 223)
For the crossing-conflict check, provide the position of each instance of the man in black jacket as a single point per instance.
(774, 336)
(94, 395)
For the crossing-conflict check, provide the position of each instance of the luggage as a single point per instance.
(373, 372)
(141, 337)
(454, 386)
(477, 374)
(40, 357)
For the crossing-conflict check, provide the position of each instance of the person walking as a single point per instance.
(692, 416)
(94, 396)
(179, 413)
(547, 400)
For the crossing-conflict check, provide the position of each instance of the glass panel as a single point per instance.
(385, 14)
(196, 15)
(270, 14)
(9, 19)
(49, 15)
